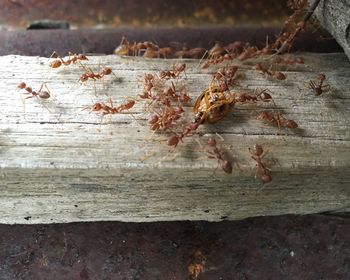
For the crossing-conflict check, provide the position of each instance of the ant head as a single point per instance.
(82, 57)
(211, 142)
(264, 95)
(280, 76)
(321, 76)
(149, 77)
(107, 71)
(258, 149)
(96, 107)
(84, 78)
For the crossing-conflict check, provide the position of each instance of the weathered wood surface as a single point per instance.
(58, 164)
(334, 15)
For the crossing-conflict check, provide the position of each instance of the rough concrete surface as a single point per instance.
(284, 247)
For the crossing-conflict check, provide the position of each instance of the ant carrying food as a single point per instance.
(72, 59)
(319, 87)
(220, 154)
(258, 154)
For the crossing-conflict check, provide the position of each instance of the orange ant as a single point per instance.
(263, 70)
(289, 60)
(72, 59)
(164, 120)
(258, 154)
(319, 87)
(216, 51)
(196, 53)
(236, 47)
(91, 75)
(226, 77)
(189, 128)
(172, 74)
(277, 119)
(248, 52)
(105, 109)
(31, 93)
(259, 95)
(220, 155)
(217, 60)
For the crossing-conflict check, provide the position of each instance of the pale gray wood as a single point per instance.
(58, 164)
(334, 15)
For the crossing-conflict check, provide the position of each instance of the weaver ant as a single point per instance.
(277, 119)
(91, 75)
(72, 59)
(191, 53)
(189, 128)
(319, 87)
(106, 109)
(165, 119)
(220, 155)
(172, 74)
(263, 70)
(31, 93)
(216, 51)
(226, 77)
(259, 95)
(289, 60)
(258, 154)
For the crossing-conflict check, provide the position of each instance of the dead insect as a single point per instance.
(212, 105)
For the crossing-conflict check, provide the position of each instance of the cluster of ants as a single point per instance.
(89, 74)
(168, 99)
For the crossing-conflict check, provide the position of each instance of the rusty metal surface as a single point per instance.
(90, 13)
(285, 247)
(104, 41)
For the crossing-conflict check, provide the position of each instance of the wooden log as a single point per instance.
(60, 164)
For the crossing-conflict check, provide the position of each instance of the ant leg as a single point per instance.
(202, 58)
(326, 88)
(54, 54)
(264, 154)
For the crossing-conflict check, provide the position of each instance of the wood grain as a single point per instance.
(60, 164)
